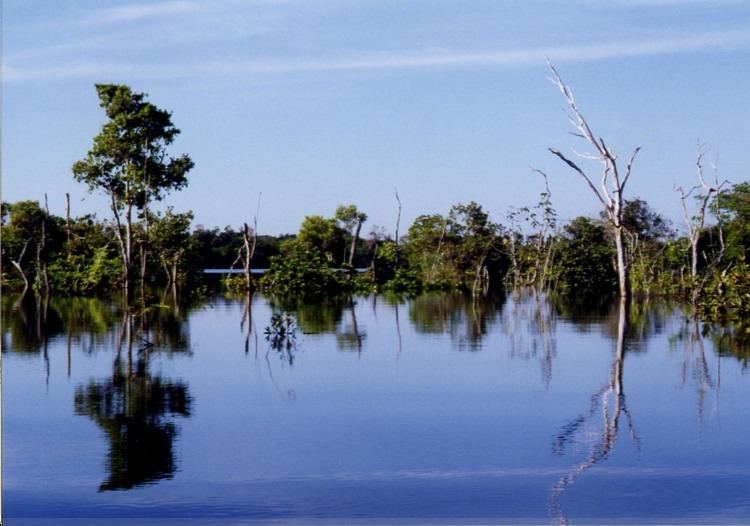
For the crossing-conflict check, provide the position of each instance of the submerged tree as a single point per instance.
(129, 163)
(613, 182)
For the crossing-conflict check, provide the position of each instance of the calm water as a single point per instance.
(383, 410)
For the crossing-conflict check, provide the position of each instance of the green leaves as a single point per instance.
(128, 158)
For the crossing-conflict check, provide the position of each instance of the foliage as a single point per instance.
(129, 163)
(585, 265)
(301, 270)
(323, 235)
(128, 158)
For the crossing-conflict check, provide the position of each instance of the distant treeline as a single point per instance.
(463, 249)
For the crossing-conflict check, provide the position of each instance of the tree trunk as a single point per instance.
(622, 265)
(355, 238)
(398, 223)
(249, 253)
(67, 219)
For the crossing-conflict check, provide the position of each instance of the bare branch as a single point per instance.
(575, 167)
(629, 168)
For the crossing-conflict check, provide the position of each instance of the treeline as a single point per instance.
(461, 250)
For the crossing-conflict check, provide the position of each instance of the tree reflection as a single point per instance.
(135, 407)
(349, 337)
(695, 364)
(532, 315)
(335, 315)
(322, 317)
(464, 317)
(610, 403)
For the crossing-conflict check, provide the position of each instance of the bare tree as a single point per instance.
(247, 250)
(696, 223)
(398, 221)
(612, 181)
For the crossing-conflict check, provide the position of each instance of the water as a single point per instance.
(436, 409)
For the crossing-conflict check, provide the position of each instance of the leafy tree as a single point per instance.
(639, 219)
(429, 247)
(129, 163)
(170, 238)
(351, 220)
(585, 264)
(322, 234)
(734, 206)
(300, 270)
(26, 231)
(478, 256)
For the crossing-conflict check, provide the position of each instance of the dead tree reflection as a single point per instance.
(247, 325)
(610, 403)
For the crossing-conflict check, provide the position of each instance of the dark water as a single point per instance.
(429, 410)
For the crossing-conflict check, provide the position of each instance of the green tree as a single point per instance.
(585, 264)
(351, 220)
(323, 234)
(170, 239)
(734, 207)
(129, 163)
(25, 226)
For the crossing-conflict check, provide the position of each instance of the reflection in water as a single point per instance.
(731, 341)
(281, 336)
(531, 315)
(695, 363)
(610, 403)
(464, 317)
(134, 406)
(139, 409)
(334, 315)
(350, 336)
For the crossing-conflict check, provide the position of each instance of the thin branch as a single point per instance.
(575, 167)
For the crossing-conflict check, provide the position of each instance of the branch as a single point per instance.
(575, 167)
(629, 168)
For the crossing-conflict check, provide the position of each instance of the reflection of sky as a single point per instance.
(430, 431)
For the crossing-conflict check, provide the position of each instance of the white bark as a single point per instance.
(612, 183)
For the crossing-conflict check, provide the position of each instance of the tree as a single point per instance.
(322, 234)
(24, 227)
(696, 223)
(351, 220)
(646, 232)
(735, 214)
(585, 262)
(129, 163)
(170, 237)
(613, 182)
(476, 258)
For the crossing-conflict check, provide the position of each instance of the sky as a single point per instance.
(308, 104)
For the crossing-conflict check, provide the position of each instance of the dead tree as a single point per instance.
(18, 263)
(612, 181)
(696, 224)
(247, 250)
(398, 222)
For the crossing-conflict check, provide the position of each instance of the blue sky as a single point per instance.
(320, 102)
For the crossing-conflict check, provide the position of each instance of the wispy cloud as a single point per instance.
(738, 39)
(134, 12)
